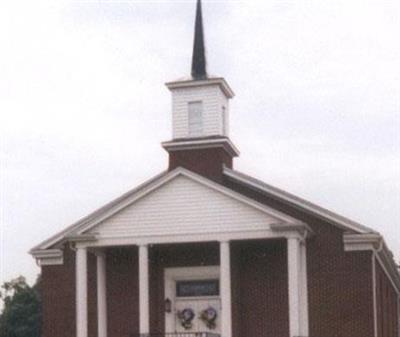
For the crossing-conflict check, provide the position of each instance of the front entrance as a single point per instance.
(192, 299)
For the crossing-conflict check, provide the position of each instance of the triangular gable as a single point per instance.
(185, 203)
(122, 203)
(183, 206)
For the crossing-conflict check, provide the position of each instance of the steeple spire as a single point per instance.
(199, 70)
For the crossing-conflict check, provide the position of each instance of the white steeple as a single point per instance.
(200, 103)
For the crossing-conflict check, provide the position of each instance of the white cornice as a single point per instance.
(376, 244)
(81, 238)
(357, 242)
(192, 144)
(300, 227)
(48, 257)
(268, 234)
(188, 83)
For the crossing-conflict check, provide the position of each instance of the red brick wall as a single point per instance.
(207, 162)
(122, 292)
(58, 295)
(58, 298)
(340, 283)
(260, 289)
(92, 296)
(387, 305)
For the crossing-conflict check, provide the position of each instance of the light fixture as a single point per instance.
(167, 305)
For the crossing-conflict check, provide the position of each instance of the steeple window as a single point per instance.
(195, 119)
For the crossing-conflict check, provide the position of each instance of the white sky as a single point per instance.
(83, 107)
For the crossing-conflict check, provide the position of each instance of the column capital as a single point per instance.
(81, 248)
(100, 252)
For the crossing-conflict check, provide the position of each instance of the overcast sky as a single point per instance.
(83, 106)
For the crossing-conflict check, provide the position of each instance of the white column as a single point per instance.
(81, 293)
(101, 295)
(225, 288)
(304, 324)
(294, 285)
(144, 308)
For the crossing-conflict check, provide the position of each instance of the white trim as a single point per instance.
(128, 198)
(171, 275)
(201, 143)
(60, 236)
(293, 255)
(197, 178)
(332, 217)
(374, 296)
(398, 316)
(376, 244)
(304, 320)
(101, 294)
(108, 241)
(225, 289)
(187, 83)
(192, 273)
(48, 257)
(357, 242)
(395, 285)
(81, 293)
(396, 289)
(144, 305)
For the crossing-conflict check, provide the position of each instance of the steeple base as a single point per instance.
(206, 157)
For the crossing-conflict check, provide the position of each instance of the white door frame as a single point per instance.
(171, 275)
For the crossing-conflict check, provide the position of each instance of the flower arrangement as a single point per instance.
(186, 317)
(209, 317)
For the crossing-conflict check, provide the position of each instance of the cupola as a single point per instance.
(200, 116)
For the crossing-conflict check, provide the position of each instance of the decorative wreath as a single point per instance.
(186, 317)
(209, 316)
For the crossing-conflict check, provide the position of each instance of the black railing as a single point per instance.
(177, 334)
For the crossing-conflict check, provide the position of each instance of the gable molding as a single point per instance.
(76, 232)
(194, 177)
(297, 202)
(60, 236)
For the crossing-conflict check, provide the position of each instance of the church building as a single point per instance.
(202, 250)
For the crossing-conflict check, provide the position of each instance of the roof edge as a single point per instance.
(191, 82)
(60, 236)
(375, 243)
(78, 229)
(297, 202)
(202, 143)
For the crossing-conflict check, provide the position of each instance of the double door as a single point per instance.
(194, 297)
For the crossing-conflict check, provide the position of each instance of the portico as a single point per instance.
(296, 278)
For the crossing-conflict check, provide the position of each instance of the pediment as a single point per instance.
(187, 204)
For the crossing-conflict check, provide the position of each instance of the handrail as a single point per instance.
(177, 334)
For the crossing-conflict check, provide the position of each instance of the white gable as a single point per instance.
(184, 206)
